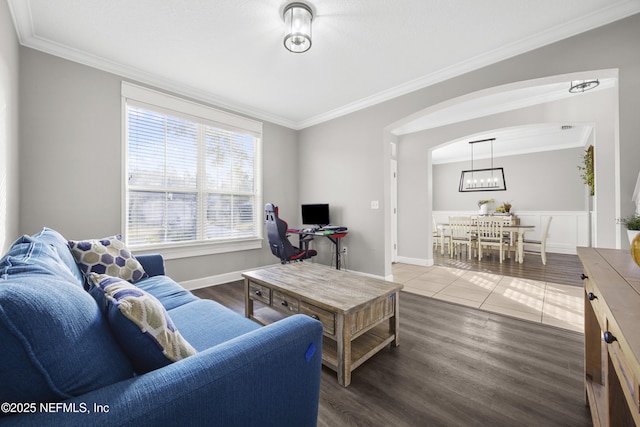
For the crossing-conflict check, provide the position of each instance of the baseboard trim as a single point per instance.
(219, 279)
(416, 261)
(205, 282)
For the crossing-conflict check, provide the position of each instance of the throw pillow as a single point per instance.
(140, 324)
(107, 256)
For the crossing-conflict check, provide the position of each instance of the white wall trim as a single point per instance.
(219, 279)
(205, 282)
(23, 22)
(415, 261)
(636, 195)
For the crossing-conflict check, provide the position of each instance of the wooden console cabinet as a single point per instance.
(612, 336)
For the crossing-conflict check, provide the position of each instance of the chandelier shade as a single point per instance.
(488, 179)
(491, 179)
(297, 20)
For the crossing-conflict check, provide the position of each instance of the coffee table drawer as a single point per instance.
(259, 293)
(284, 302)
(372, 314)
(327, 318)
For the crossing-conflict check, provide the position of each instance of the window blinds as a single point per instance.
(189, 179)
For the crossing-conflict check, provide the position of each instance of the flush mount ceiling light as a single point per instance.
(297, 21)
(579, 86)
(490, 179)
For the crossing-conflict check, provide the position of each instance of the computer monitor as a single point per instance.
(316, 214)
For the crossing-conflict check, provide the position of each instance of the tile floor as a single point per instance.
(548, 303)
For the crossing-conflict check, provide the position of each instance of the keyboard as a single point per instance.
(336, 228)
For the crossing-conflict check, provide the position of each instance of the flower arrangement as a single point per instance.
(505, 208)
(483, 202)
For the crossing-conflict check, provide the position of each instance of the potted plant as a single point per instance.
(633, 225)
(483, 205)
(588, 175)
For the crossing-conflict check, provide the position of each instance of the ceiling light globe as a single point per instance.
(297, 19)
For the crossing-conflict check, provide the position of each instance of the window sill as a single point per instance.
(198, 249)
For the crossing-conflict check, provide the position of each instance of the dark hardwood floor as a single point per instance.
(560, 268)
(455, 366)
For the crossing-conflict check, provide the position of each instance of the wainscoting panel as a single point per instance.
(568, 230)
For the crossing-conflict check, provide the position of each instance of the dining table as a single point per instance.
(519, 230)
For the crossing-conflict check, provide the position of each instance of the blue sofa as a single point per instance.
(62, 361)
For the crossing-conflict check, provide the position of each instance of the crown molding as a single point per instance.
(22, 18)
(21, 13)
(574, 27)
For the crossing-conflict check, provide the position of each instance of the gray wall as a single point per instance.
(542, 181)
(71, 160)
(9, 190)
(360, 140)
(70, 139)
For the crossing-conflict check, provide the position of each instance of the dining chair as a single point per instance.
(440, 237)
(461, 235)
(541, 245)
(506, 221)
(490, 235)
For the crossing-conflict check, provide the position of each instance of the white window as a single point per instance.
(192, 176)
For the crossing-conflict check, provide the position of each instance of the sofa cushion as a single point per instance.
(206, 323)
(55, 342)
(140, 323)
(107, 256)
(27, 256)
(59, 243)
(167, 291)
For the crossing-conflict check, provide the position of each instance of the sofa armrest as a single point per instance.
(267, 377)
(153, 264)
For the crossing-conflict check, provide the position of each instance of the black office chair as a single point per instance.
(278, 240)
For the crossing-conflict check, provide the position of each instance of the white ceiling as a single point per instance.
(512, 141)
(230, 52)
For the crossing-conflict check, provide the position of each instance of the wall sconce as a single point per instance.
(490, 179)
(297, 20)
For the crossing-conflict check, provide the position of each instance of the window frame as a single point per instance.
(178, 107)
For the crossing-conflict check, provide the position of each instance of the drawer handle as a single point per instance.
(584, 276)
(591, 296)
(609, 338)
(315, 316)
(259, 293)
(284, 303)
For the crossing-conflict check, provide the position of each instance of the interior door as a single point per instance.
(394, 210)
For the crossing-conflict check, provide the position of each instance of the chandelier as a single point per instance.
(489, 179)
(579, 86)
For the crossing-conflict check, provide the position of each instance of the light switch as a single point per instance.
(374, 204)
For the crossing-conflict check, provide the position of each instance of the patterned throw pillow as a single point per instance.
(107, 256)
(140, 324)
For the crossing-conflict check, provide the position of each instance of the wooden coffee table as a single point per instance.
(360, 314)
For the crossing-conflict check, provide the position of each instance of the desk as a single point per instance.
(329, 234)
(359, 314)
(518, 229)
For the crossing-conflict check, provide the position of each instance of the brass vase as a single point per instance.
(635, 249)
